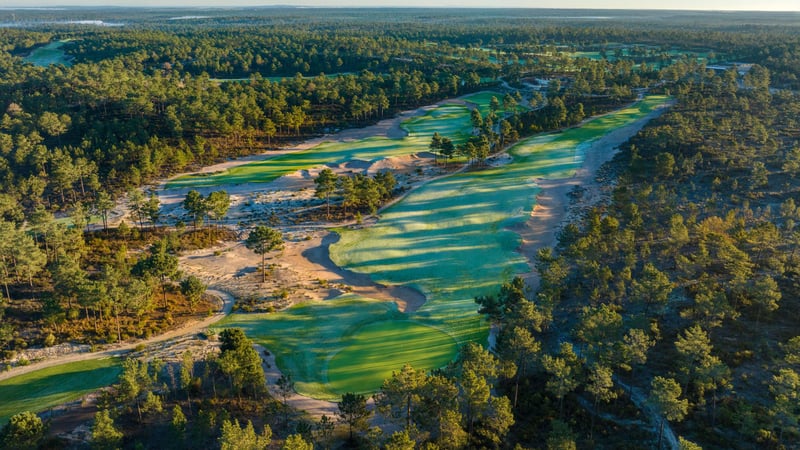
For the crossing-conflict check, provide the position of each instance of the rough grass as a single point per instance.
(448, 239)
(42, 389)
(49, 54)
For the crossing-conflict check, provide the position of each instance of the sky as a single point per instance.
(729, 5)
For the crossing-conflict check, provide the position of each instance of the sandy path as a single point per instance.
(122, 349)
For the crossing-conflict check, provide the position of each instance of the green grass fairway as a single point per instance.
(371, 354)
(39, 390)
(349, 344)
(49, 54)
(484, 99)
(448, 239)
(449, 120)
(306, 336)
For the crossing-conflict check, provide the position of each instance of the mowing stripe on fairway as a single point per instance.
(375, 350)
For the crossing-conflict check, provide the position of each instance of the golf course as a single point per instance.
(448, 239)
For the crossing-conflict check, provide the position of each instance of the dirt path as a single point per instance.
(122, 349)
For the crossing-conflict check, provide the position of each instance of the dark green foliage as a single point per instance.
(23, 431)
(352, 410)
(263, 240)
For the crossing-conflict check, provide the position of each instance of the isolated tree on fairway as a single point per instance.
(326, 185)
(263, 240)
(436, 144)
(447, 149)
(353, 411)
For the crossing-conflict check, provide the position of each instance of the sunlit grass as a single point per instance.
(42, 389)
(372, 352)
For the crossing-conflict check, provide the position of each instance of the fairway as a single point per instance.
(484, 99)
(450, 240)
(39, 390)
(449, 120)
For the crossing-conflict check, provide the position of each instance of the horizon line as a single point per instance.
(27, 7)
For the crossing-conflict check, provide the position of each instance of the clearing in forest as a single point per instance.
(448, 239)
(49, 54)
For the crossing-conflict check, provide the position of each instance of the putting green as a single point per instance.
(450, 240)
(39, 390)
(306, 336)
(373, 351)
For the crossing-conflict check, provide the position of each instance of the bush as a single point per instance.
(49, 340)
